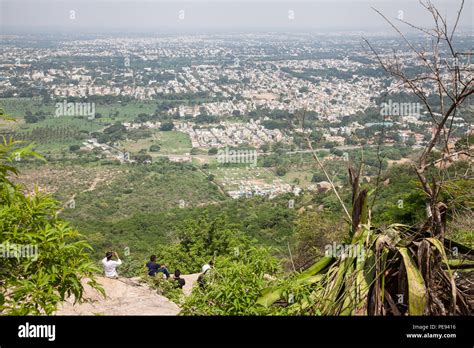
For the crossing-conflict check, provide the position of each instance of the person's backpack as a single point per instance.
(202, 280)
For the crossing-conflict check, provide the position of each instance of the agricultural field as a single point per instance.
(116, 111)
(230, 178)
(17, 107)
(124, 112)
(300, 177)
(170, 143)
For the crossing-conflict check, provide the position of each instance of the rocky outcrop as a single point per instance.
(124, 296)
(323, 186)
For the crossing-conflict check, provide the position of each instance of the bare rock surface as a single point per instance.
(124, 296)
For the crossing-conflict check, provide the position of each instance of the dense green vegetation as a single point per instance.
(234, 285)
(43, 259)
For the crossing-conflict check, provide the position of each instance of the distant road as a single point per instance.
(343, 147)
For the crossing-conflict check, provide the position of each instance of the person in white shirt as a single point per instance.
(205, 274)
(111, 265)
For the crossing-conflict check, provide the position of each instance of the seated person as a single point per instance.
(154, 267)
(111, 265)
(178, 279)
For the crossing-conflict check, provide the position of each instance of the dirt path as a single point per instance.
(190, 282)
(93, 184)
(221, 190)
(91, 187)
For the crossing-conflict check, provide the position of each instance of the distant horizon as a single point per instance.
(149, 16)
(90, 31)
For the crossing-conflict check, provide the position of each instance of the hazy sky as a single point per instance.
(149, 15)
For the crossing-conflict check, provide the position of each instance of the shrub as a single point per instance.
(201, 240)
(281, 171)
(234, 285)
(212, 151)
(167, 126)
(155, 148)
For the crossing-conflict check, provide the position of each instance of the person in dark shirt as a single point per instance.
(180, 281)
(154, 267)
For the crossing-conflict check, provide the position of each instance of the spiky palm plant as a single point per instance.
(393, 271)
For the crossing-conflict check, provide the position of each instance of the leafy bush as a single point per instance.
(281, 171)
(212, 151)
(201, 240)
(43, 259)
(167, 126)
(155, 148)
(309, 242)
(234, 285)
